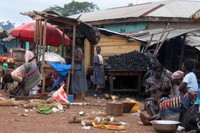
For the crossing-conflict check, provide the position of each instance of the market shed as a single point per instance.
(115, 44)
(111, 43)
(67, 25)
(179, 45)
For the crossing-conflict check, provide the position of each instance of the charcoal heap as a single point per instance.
(133, 61)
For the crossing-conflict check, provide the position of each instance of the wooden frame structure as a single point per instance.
(40, 38)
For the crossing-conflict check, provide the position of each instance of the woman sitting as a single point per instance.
(176, 79)
(28, 77)
(188, 94)
(158, 88)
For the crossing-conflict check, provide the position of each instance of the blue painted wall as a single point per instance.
(12, 44)
(127, 27)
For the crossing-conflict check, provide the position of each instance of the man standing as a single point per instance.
(98, 70)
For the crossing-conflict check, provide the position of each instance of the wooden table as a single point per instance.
(112, 74)
(48, 69)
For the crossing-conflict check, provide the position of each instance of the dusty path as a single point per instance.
(19, 120)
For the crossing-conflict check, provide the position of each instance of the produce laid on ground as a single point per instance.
(86, 119)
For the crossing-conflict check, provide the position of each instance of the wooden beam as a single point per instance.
(63, 41)
(182, 52)
(73, 47)
(40, 38)
(43, 54)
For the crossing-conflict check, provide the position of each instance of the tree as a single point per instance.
(74, 7)
(7, 25)
(130, 4)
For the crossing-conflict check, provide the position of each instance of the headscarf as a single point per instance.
(178, 75)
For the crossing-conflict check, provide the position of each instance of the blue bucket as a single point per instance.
(198, 95)
(70, 98)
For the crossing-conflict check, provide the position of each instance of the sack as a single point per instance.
(60, 95)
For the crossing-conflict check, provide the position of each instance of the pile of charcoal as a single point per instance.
(133, 61)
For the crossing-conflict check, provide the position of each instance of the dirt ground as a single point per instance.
(20, 120)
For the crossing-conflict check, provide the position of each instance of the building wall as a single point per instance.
(139, 26)
(178, 25)
(12, 44)
(127, 27)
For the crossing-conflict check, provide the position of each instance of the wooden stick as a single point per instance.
(161, 43)
(158, 42)
(43, 54)
(73, 47)
(148, 44)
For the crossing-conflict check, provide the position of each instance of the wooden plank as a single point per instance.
(125, 90)
(29, 97)
(118, 50)
(73, 47)
(124, 73)
(43, 54)
(113, 44)
(87, 54)
(107, 40)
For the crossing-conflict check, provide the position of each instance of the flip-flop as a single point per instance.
(144, 119)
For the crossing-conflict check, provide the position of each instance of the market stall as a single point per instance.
(126, 70)
(136, 80)
(64, 23)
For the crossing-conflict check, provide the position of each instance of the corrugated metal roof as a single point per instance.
(168, 8)
(194, 35)
(158, 32)
(116, 13)
(193, 39)
(177, 8)
(130, 38)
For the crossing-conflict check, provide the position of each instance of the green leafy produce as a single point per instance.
(44, 110)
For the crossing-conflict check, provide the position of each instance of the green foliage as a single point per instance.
(7, 25)
(74, 7)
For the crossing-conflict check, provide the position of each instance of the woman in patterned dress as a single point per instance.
(27, 75)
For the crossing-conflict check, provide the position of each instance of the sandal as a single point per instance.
(144, 119)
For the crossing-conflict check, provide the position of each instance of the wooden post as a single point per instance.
(139, 84)
(36, 31)
(73, 46)
(111, 82)
(182, 52)
(36, 36)
(43, 54)
(67, 82)
(63, 41)
(40, 39)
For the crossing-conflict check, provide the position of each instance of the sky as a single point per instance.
(11, 9)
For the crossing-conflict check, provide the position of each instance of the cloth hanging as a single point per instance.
(62, 70)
